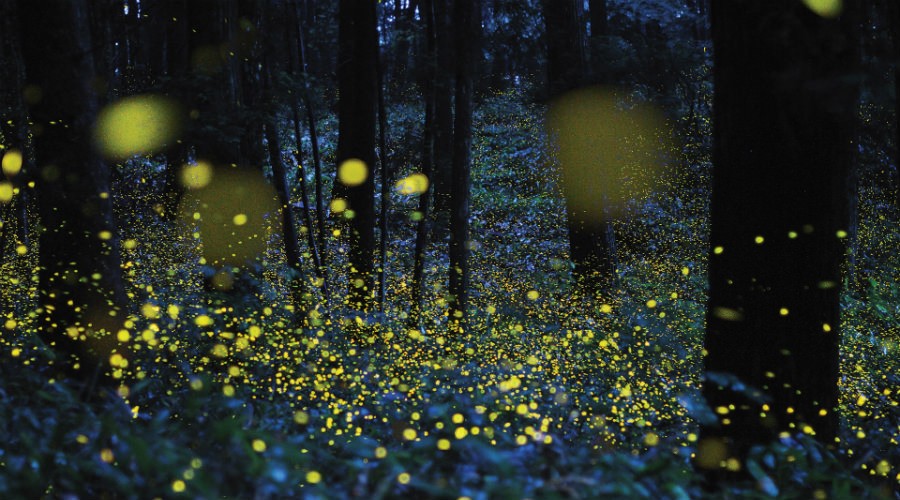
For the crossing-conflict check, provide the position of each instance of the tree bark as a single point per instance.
(465, 31)
(784, 109)
(422, 228)
(591, 237)
(80, 281)
(443, 112)
(356, 139)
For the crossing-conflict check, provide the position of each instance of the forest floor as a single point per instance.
(547, 395)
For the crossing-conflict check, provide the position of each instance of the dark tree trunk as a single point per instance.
(784, 109)
(599, 15)
(316, 159)
(591, 237)
(356, 138)
(288, 222)
(894, 22)
(176, 49)
(465, 32)
(443, 112)
(80, 282)
(422, 228)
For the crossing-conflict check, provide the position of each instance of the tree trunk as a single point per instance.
(591, 237)
(356, 139)
(784, 109)
(465, 31)
(443, 112)
(894, 22)
(422, 228)
(80, 282)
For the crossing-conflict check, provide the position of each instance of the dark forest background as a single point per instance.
(449, 249)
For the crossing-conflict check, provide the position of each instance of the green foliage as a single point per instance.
(229, 392)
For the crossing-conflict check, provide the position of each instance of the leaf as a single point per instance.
(763, 481)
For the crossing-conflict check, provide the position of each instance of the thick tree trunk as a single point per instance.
(463, 21)
(784, 110)
(443, 112)
(591, 237)
(356, 139)
(80, 281)
(894, 22)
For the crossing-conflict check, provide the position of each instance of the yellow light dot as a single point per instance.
(841, 234)
(651, 303)
(16, 352)
(150, 311)
(239, 219)
(136, 125)
(228, 390)
(783, 311)
(533, 295)
(460, 432)
(129, 244)
(403, 478)
(727, 314)
(10, 324)
(457, 418)
(759, 240)
(203, 320)
(685, 271)
(338, 205)
(792, 234)
(443, 444)
(107, 455)
(21, 250)
(826, 327)
(606, 308)
(380, 452)
(313, 477)
(353, 172)
(718, 250)
(413, 184)
(259, 445)
(651, 439)
(12, 162)
(104, 235)
(491, 309)
(825, 8)
(6, 192)
(301, 417)
(197, 175)
(81, 439)
(409, 434)
(178, 486)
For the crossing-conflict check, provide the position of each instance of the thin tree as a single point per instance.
(465, 32)
(422, 228)
(784, 108)
(79, 277)
(357, 78)
(591, 237)
(319, 230)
